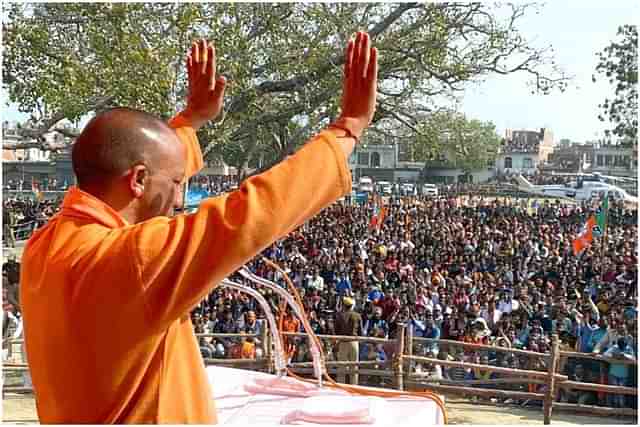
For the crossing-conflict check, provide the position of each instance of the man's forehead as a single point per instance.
(170, 151)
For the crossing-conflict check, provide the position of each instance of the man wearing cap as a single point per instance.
(376, 322)
(348, 323)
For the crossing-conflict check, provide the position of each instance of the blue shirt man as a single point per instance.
(376, 321)
(344, 285)
(431, 331)
(585, 337)
(598, 334)
(619, 372)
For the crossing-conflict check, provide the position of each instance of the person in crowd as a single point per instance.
(581, 397)
(349, 323)
(290, 323)
(8, 224)
(619, 372)
(254, 327)
(376, 325)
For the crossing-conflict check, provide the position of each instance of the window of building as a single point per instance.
(600, 160)
(363, 159)
(608, 160)
(508, 162)
(375, 159)
(527, 163)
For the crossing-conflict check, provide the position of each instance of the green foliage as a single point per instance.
(448, 136)
(618, 62)
(283, 62)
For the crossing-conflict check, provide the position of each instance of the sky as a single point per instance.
(577, 30)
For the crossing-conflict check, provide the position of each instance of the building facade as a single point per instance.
(524, 150)
(615, 161)
(24, 169)
(381, 162)
(569, 158)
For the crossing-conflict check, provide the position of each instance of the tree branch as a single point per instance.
(242, 100)
(36, 131)
(67, 132)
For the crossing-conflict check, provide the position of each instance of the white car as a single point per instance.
(385, 187)
(365, 184)
(429, 190)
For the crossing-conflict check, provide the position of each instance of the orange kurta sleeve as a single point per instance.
(181, 259)
(188, 136)
(118, 295)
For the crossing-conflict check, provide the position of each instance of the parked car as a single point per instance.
(385, 187)
(429, 190)
(365, 184)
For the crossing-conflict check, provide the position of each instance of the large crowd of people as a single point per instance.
(495, 271)
(21, 216)
(214, 184)
(40, 184)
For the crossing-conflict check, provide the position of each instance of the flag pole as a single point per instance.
(603, 241)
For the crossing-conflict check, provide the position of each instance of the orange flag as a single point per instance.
(586, 236)
(381, 216)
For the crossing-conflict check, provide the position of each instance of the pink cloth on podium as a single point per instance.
(338, 409)
(242, 398)
(285, 386)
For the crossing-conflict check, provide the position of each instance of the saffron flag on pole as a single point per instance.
(379, 213)
(585, 237)
(373, 223)
(382, 215)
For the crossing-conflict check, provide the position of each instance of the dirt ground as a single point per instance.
(21, 409)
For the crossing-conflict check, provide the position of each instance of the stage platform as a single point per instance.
(235, 405)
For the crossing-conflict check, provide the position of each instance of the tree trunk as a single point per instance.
(242, 171)
(243, 167)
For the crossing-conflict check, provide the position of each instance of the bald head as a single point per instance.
(116, 140)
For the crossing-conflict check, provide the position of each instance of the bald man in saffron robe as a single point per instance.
(108, 283)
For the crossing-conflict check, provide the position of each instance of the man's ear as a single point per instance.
(136, 180)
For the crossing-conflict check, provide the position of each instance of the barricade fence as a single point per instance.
(539, 380)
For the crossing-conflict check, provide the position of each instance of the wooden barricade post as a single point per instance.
(551, 382)
(409, 350)
(398, 357)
